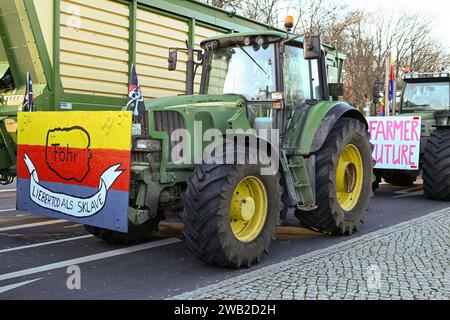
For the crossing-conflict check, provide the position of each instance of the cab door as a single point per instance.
(302, 89)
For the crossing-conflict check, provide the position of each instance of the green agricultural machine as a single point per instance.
(427, 95)
(251, 81)
(254, 82)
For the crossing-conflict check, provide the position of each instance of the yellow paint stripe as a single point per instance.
(171, 227)
(107, 129)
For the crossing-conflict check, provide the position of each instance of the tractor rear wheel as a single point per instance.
(136, 234)
(400, 177)
(231, 213)
(436, 166)
(344, 176)
(376, 182)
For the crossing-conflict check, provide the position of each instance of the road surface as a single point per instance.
(37, 254)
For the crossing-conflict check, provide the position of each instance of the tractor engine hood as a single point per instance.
(220, 112)
(191, 101)
(195, 114)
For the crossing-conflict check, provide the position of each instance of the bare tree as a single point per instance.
(224, 4)
(265, 11)
(361, 69)
(409, 38)
(318, 16)
(363, 37)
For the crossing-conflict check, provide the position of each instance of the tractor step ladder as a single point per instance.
(302, 183)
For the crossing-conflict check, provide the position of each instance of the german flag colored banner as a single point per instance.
(75, 166)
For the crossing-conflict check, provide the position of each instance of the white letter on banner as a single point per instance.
(70, 205)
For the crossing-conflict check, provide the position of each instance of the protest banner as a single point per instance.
(396, 142)
(75, 166)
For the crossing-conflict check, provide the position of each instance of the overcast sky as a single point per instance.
(439, 10)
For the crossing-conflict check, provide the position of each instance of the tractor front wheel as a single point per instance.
(344, 176)
(400, 178)
(231, 213)
(436, 166)
(376, 182)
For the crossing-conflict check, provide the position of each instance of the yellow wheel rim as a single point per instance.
(349, 177)
(248, 210)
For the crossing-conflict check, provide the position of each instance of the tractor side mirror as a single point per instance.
(312, 49)
(200, 56)
(173, 58)
(376, 93)
(336, 90)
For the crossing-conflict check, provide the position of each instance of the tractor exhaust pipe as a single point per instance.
(190, 70)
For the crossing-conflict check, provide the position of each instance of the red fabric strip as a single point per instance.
(73, 166)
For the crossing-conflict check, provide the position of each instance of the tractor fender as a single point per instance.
(340, 110)
(278, 167)
(261, 141)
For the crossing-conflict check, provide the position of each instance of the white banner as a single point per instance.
(396, 142)
(67, 204)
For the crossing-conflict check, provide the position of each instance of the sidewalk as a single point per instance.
(407, 261)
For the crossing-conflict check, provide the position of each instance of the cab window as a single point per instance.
(424, 96)
(302, 77)
(315, 79)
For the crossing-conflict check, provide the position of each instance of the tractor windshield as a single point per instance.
(426, 96)
(244, 70)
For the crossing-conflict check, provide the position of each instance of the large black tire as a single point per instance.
(400, 178)
(136, 234)
(207, 215)
(436, 166)
(330, 217)
(376, 182)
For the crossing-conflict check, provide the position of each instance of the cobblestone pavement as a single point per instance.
(407, 261)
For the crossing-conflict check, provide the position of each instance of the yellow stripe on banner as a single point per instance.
(104, 129)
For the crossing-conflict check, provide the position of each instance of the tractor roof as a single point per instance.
(272, 35)
(232, 37)
(427, 76)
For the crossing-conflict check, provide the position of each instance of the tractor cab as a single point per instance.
(427, 93)
(246, 65)
(273, 72)
(277, 74)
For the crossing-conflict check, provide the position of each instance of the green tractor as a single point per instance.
(427, 95)
(271, 87)
(257, 80)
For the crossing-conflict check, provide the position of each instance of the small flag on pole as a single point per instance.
(392, 83)
(28, 101)
(135, 97)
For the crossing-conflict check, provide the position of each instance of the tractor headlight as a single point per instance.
(212, 45)
(247, 41)
(260, 41)
(148, 145)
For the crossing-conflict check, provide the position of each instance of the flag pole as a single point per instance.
(386, 84)
(394, 101)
